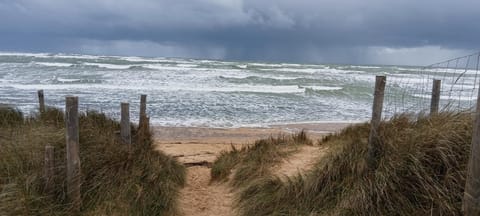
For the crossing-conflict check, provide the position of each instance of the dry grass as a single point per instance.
(422, 172)
(115, 182)
(253, 162)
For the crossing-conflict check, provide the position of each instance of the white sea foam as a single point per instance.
(65, 80)
(265, 65)
(243, 66)
(163, 67)
(326, 70)
(54, 64)
(78, 56)
(187, 65)
(449, 97)
(322, 88)
(142, 59)
(109, 66)
(25, 54)
(364, 67)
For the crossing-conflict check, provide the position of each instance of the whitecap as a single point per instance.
(109, 66)
(54, 64)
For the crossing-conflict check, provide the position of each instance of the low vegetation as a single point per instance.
(115, 181)
(253, 162)
(422, 172)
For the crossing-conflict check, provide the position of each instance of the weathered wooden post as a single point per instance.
(471, 197)
(41, 101)
(435, 96)
(73, 152)
(143, 109)
(147, 124)
(374, 147)
(125, 132)
(49, 169)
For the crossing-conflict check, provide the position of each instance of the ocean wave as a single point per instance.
(143, 59)
(241, 66)
(447, 97)
(278, 80)
(265, 65)
(54, 64)
(165, 88)
(110, 66)
(321, 88)
(25, 54)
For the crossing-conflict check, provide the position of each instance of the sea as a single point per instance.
(194, 92)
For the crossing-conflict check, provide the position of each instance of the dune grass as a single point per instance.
(422, 172)
(115, 181)
(253, 162)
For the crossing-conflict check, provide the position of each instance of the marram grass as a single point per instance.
(422, 172)
(253, 162)
(115, 182)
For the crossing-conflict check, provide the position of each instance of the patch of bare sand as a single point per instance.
(196, 153)
(201, 198)
(300, 162)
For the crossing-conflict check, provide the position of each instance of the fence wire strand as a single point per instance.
(409, 89)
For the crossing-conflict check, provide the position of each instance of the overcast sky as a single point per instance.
(416, 32)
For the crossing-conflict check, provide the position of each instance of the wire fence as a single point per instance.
(410, 91)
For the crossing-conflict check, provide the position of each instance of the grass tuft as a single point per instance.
(253, 162)
(115, 181)
(10, 116)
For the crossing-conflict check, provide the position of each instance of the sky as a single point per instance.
(400, 32)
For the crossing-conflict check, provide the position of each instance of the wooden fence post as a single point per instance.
(471, 197)
(374, 147)
(73, 154)
(49, 169)
(41, 101)
(125, 131)
(143, 110)
(435, 96)
(147, 124)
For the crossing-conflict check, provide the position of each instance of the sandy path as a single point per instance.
(197, 148)
(201, 198)
(299, 162)
(196, 153)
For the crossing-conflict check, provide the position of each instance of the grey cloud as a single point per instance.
(274, 30)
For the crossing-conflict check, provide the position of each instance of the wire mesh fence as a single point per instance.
(411, 90)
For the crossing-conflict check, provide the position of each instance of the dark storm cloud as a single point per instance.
(369, 31)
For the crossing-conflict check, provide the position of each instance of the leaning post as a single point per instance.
(374, 146)
(41, 101)
(125, 131)
(435, 96)
(471, 197)
(73, 153)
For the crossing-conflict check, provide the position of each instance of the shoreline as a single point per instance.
(240, 135)
(192, 145)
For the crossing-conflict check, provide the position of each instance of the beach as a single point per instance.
(196, 145)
